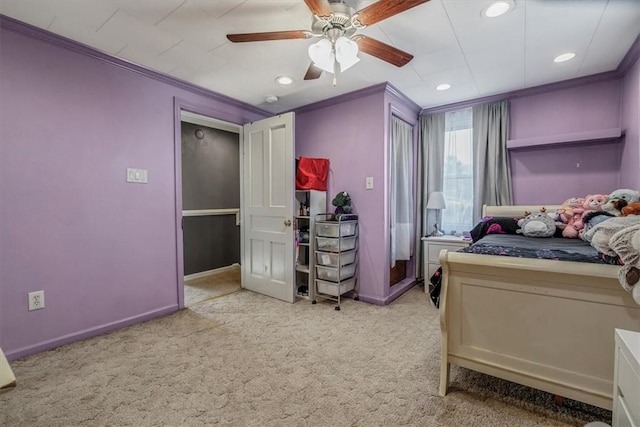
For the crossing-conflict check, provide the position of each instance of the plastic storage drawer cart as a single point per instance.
(336, 257)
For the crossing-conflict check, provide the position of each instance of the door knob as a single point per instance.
(287, 223)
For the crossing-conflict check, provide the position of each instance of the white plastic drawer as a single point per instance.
(629, 385)
(335, 229)
(621, 417)
(335, 289)
(335, 244)
(333, 259)
(335, 274)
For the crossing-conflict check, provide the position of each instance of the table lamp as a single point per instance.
(436, 202)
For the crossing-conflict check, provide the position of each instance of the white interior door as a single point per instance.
(267, 208)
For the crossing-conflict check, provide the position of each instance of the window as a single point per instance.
(458, 172)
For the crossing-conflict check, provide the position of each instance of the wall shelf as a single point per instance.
(612, 135)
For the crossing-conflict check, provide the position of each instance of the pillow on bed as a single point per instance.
(494, 225)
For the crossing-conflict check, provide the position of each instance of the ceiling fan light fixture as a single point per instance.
(497, 8)
(321, 53)
(346, 53)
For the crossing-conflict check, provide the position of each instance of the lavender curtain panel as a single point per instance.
(491, 168)
(430, 179)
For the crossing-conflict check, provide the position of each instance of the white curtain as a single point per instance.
(491, 168)
(401, 190)
(430, 161)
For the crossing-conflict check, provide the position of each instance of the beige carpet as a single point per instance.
(249, 360)
(216, 285)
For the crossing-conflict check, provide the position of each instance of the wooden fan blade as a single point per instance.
(319, 7)
(313, 72)
(383, 51)
(384, 9)
(273, 35)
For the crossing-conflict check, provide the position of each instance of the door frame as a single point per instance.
(209, 117)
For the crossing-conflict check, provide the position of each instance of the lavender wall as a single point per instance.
(629, 170)
(550, 174)
(104, 251)
(350, 135)
(352, 131)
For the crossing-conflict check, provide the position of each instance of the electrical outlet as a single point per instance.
(137, 175)
(36, 300)
(369, 183)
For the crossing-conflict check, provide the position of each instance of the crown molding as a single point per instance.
(625, 64)
(19, 27)
(630, 58)
(536, 90)
(401, 97)
(360, 93)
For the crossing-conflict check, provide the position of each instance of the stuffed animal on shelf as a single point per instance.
(342, 202)
(631, 209)
(539, 224)
(620, 198)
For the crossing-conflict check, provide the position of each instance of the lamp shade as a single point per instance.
(436, 200)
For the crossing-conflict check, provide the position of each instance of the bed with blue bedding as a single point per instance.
(555, 248)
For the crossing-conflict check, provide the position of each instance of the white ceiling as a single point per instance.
(450, 40)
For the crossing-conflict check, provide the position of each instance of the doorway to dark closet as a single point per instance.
(211, 208)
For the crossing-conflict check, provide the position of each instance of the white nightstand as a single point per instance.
(433, 246)
(626, 379)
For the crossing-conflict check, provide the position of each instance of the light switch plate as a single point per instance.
(369, 183)
(137, 175)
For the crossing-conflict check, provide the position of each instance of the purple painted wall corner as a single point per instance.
(350, 135)
(629, 170)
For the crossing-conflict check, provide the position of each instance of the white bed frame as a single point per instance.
(541, 323)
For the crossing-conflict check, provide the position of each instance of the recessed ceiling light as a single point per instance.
(443, 86)
(270, 99)
(564, 57)
(284, 80)
(497, 8)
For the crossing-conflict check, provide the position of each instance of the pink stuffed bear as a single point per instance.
(592, 203)
(566, 211)
(570, 211)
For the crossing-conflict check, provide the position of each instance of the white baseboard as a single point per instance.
(209, 272)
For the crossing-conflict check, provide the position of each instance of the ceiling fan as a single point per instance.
(336, 24)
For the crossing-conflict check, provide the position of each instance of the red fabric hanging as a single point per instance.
(312, 174)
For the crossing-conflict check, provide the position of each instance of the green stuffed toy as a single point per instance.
(342, 202)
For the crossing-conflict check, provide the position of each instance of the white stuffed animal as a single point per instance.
(626, 243)
(629, 196)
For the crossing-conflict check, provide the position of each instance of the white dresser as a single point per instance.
(432, 247)
(626, 380)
